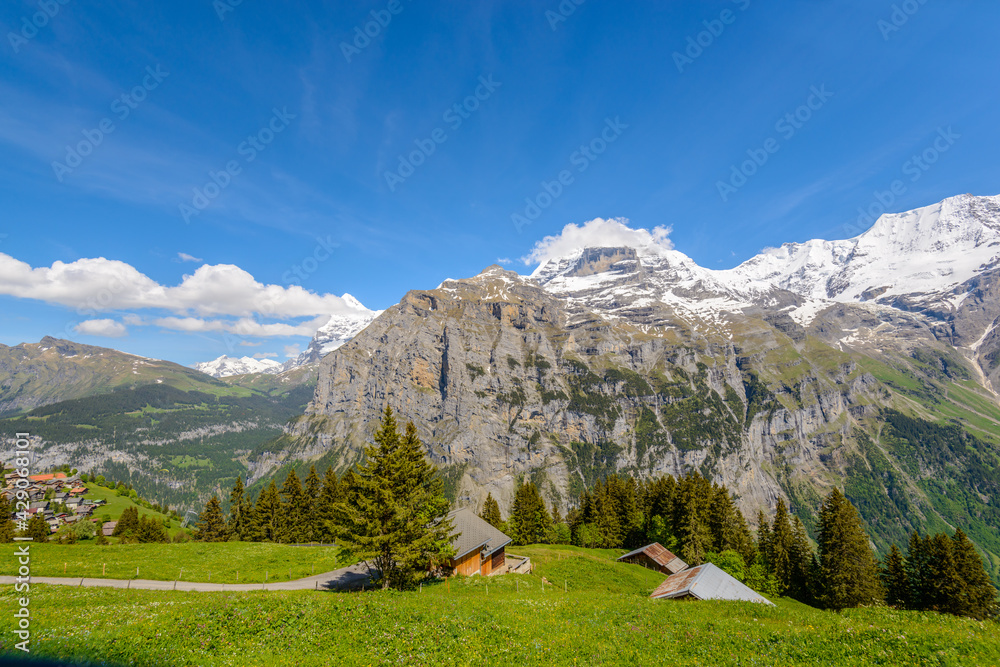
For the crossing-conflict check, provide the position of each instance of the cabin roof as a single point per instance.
(659, 555)
(706, 582)
(472, 533)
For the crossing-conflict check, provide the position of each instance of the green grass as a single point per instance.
(118, 504)
(603, 618)
(199, 561)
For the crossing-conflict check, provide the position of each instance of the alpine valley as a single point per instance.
(871, 364)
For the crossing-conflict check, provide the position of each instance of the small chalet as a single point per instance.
(706, 582)
(655, 557)
(108, 528)
(479, 547)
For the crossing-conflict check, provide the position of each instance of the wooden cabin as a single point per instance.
(479, 547)
(655, 557)
(706, 582)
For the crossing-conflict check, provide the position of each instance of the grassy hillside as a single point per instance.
(190, 561)
(117, 504)
(603, 617)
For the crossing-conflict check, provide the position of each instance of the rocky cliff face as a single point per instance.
(506, 380)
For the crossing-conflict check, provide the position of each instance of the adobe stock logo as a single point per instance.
(249, 149)
(122, 107)
(454, 116)
(30, 27)
(788, 126)
(581, 158)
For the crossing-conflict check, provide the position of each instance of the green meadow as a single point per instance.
(219, 562)
(593, 612)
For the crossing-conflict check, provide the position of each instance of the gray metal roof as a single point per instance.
(472, 533)
(706, 582)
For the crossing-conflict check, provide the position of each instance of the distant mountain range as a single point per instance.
(870, 363)
(338, 330)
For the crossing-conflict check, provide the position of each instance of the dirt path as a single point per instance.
(348, 578)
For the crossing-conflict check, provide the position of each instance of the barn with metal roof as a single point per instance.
(706, 582)
(655, 557)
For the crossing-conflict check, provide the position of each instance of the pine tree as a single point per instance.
(781, 545)
(236, 526)
(848, 570)
(211, 522)
(943, 579)
(394, 517)
(696, 536)
(977, 597)
(38, 528)
(918, 572)
(328, 498)
(128, 523)
(894, 579)
(7, 527)
(529, 521)
(294, 510)
(151, 530)
(801, 585)
(763, 540)
(265, 515)
(491, 512)
(313, 489)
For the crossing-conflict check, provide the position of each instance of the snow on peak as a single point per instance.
(225, 366)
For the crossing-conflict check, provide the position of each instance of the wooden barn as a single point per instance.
(479, 547)
(655, 557)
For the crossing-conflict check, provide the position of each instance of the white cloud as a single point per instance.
(93, 285)
(105, 328)
(503, 260)
(243, 327)
(598, 233)
(247, 343)
(292, 351)
(265, 355)
(184, 257)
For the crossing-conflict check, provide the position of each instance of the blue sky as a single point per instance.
(325, 118)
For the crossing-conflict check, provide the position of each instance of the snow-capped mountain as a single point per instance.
(225, 366)
(338, 330)
(922, 254)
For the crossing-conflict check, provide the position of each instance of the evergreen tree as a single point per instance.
(151, 530)
(801, 562)
(696, 536)
(7, 527)
(918, 572)
(128, 523)
(942, 576)
(763, 539)
(848, 570)
(977, 597)
(894, 579)
(265, 517)
(328, 498)
(395, 514)
(781, 545)
(211, 522)
(38, 528)
(237, 524)
(313, 488)
(293, 512)
(491, 512)
(529, 521)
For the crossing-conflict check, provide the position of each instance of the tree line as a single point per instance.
(699, 521)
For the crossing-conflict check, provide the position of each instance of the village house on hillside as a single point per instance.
(706, 582)
(655, 557)
(479, 547)
(65, 491)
